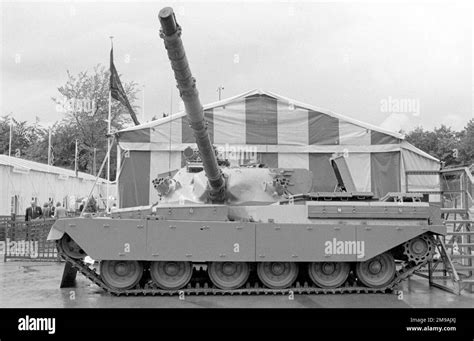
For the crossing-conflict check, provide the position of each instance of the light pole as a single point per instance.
(219, 90)
(143, 104)
(11, 134)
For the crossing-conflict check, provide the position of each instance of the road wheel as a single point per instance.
(121, 274)
(228, 275)
(171, 275)
(377, 272)
(329, 274)
(277, 275)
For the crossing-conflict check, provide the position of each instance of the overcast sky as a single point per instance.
(356, 59)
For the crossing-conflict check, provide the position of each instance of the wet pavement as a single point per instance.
(36, 285)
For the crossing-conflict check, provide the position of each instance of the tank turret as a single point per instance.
(171, 34)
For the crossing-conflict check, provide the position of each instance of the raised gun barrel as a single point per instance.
(171, 34)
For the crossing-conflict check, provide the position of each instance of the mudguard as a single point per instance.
(57, 230)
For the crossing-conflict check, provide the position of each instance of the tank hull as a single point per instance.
(339, 246)
(184, 234)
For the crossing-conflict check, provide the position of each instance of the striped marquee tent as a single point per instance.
(279, 132)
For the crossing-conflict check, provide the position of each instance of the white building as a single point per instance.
(22, 181)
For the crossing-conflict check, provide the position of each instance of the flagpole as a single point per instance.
(11, 133)
(108, 137)
(94, 163)
(108, 150)
(49, 147)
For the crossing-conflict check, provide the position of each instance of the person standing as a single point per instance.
(51, 208)
(33, 212)
(59, 212)
(81, 206)
(46, 211)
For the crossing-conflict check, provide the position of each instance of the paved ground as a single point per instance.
(36, 285)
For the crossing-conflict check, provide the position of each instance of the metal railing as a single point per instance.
(456, 187)
(3, 223)
(28, 240)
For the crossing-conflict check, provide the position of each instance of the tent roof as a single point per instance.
(27, 165)
(270, 94)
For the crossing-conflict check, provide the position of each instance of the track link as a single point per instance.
(203, 288)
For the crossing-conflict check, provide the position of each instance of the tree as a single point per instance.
(453, 148)
(62, 141)
(23, 135)
(447, 145)
(4, 134)
(84, 100)
(467, 143)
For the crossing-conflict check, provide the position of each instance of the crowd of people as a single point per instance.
(49, 211)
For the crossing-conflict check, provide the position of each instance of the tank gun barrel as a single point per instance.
(171, 34)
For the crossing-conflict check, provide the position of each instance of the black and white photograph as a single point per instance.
(307, 163)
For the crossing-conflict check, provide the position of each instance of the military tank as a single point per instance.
(218, 229)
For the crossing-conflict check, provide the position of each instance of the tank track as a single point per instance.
(203, 288)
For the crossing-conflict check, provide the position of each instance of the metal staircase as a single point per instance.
(453, 267)
(449, 279)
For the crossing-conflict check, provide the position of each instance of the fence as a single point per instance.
(3, 223)
(28, 240)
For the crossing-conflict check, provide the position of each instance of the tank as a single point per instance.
(217, 229)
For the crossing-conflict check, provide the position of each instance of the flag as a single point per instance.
(116, 88)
